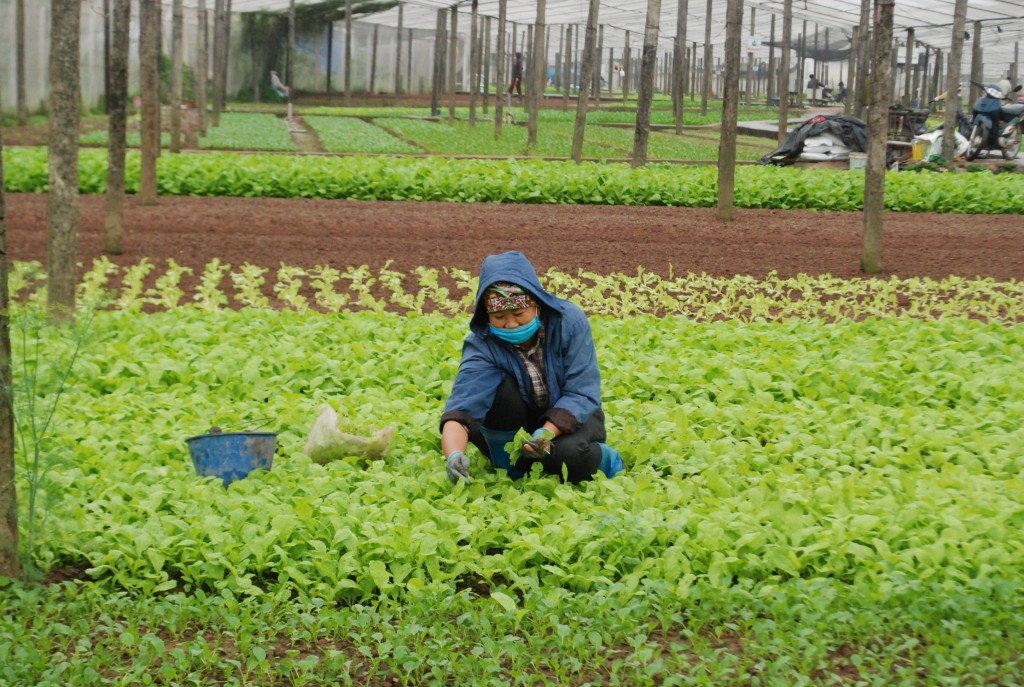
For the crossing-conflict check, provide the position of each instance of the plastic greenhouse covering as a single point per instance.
(1002, 20)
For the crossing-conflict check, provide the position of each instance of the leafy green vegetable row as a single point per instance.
(248, 131)
(812, 633)
(528, 181)
(146, 285)
(351, 135)
(759, 455)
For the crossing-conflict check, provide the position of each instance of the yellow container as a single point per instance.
(918, 149)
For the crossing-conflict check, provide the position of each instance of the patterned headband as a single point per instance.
(510, 297)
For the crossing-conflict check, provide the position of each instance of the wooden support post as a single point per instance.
(784, 80)
(908, 67)
(453, 54)
(499, 57)
(348, 52)
(730, 103)
(645, 87)
(398, 55)
(706, 87)
(439, 49)
(538, 73)
(566, 70)
(373, 61)
(750, 58)
(589, 67)
(474, 61)
(679, 68)
(977, 71)
(953, 71)
(487, 63)
(772, 66)
(202, 66)
(861, 82)
(880, 96)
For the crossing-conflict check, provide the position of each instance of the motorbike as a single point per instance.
(995, 122)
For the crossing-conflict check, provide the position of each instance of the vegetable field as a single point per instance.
(824, 470)
(811, 498)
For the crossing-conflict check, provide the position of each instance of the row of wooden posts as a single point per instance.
(922, 80)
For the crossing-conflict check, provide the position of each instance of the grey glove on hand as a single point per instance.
(539, 444)
(458, 466)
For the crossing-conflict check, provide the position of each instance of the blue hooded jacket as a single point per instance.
(570, 358)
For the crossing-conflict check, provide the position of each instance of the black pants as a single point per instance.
(579, 452)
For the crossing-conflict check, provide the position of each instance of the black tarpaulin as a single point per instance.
(852, 131)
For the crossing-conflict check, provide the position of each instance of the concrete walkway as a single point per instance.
(770, 128)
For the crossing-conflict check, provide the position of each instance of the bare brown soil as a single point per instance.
(601, 239)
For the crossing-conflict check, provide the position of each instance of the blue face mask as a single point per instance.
(517, 335)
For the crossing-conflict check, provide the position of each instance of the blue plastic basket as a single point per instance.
(232, 455)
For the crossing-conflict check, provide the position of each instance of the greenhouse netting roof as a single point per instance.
(1002, 21)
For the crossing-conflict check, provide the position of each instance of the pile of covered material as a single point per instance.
(821, 138)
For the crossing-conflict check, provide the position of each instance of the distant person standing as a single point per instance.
(517, 79)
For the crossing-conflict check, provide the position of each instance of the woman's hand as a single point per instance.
(458, 467)
(539, 444)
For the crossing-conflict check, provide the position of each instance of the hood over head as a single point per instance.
(512, 267)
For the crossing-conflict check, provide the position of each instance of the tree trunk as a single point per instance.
(861, 82)
(977, 66)
(485, 48)
(202, 66)
(625, 71)
(373, 60)
(879, 97)
(218, 58)
(956, 54)
(750, 62)
(474, 61)
(706, 84)
(113, 222)
(679, 67)
(398, 55)
(645, 89)
(538, 73)
(589, 67)
(106, 56)
(772, 81)
(439, 47)
(851, 73)
(566, 70)
(908, 68)
(10, 565)
(787, 36)
(289, 75)
(920, 85)
(453, 54)
(348, 52)
(256, 38)
(149, 81)
(499, 75)
(226, 55)
(177, 33)
(62, 200)
(730, 105)
(20, 59)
